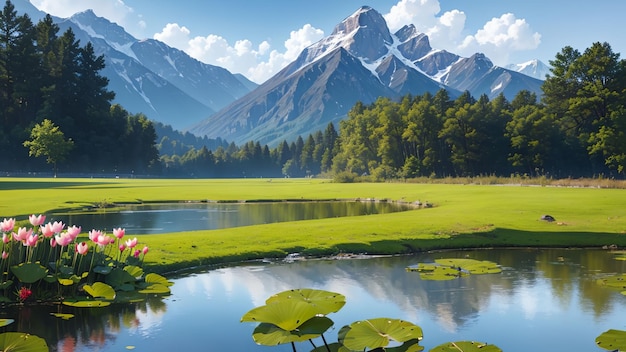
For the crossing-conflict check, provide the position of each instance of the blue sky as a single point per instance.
(258, 38)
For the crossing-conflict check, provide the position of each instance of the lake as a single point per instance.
(544, 300)
(177, 217)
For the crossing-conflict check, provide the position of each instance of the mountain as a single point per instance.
(148, 76)
(360, 60)
(532, 68)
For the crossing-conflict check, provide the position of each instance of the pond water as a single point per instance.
(177, 217)
(544, 300)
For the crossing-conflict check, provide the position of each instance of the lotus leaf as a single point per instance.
(50, 278)
(156, 289)
(135, 271)
(63, 316)
(100, 290)
(6, 284)
(615, 281)
(438, 272)
(287, 315)
(619, 255)
(102, 269)
(86, 304)
(471, 265)
(612, 340)
(267, 334)
(325, 301)
(66, 282)
(29, 272)
(333, 347)
(119, 277)
(157, 279)
(22, 342)
(378, 333)
(466, 346)
(5, 322)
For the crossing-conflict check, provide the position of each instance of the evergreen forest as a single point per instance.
(55, 103)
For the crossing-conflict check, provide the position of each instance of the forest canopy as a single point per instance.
(576, 128)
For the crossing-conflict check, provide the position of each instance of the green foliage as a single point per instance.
(48, 140)
(612, 340)
(465, 346)
(22, 342)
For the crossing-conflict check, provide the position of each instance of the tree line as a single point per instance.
(47, 77)
(576, 129)
(55, 103)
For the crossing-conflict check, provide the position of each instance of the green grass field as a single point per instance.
(462, 216)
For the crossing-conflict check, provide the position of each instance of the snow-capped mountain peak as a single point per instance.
(533, 68)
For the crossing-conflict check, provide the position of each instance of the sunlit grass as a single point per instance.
(463, 215)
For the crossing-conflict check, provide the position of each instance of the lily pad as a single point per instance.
(6, 284)
(102, 269)
(86, 304)
(22, 342)
(612, 340)
(135, 271)
(157, 279)
(63, 316)
(29, 272)
(466, 346)
(614, 281)
(119, 277)
(270, 335)
(450, 268)
(156, 289)
(287, 315)
(5, 322)
(325, 301)
(378, 333)
(100, 290)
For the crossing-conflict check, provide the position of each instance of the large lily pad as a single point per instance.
(100, 290)
(157, 279)
(22, 342)
(324, 301)
(612, 340)
(270, 335)
(287, 315)
(29, 272)
(466, 346)
(378, 333)
(158, 289)
(451, 268)
(118, 277)
(614, 281)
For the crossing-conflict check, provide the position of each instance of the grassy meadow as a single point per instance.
(461, 216)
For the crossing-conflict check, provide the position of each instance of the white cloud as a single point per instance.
(500, 36)
(257, 62)
(497, 39)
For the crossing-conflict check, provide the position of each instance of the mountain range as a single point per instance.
(361, 60)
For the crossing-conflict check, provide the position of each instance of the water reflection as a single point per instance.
(543, 300)
(177, 217)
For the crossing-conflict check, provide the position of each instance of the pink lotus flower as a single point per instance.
(57, 226)
(23, 294)
(6, 238)
(36, 220)
(73, 231)
(31, 241)
(5, 255)
(53, 242)
(63, 239)
(7, 225)
(103, 240)
(131, 243)
(136, 254)
(82, 248)
(119, 232)
(93, 234)
(22, 234)
(46, 230)
(122, 247)
(144, 250)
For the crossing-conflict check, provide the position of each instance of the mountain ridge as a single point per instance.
(388, 64)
